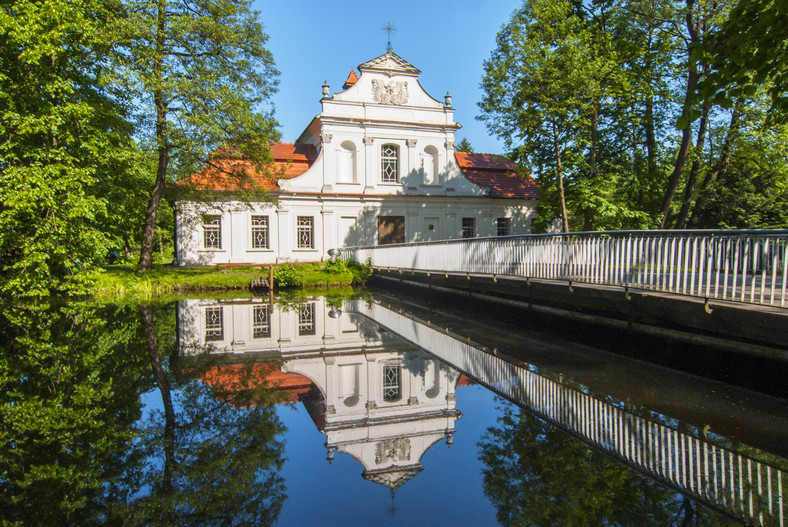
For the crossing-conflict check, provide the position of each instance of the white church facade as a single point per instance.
(378, 165)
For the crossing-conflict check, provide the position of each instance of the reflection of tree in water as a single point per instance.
(210, 458)
(536, 474)
(70, 379)
(72, 449)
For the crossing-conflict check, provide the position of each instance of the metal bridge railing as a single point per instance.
(745, 488)
(742, 266)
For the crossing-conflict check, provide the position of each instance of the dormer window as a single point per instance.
(389, 164)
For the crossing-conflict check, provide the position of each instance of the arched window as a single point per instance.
(429, 165)
(346, 163)
(389, 164)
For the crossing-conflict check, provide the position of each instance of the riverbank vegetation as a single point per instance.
(115, 282)
(630, 114)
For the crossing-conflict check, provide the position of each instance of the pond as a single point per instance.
(373, 409)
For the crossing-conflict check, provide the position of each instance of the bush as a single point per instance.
(361, 272)
(336, 267)
(288, 275)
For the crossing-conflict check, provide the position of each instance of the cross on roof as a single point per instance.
(390, 28)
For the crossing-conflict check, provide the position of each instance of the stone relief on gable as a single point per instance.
(393, 450)
(390, 92)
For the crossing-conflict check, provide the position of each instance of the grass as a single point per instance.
(123, 281)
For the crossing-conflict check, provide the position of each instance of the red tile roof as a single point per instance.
(351, 80)
(290, 160)
(497, 173)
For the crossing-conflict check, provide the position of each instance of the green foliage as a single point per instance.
(586, 97)
(288, 275)
(537, 475)
(61, 135)
(464, 145)
(74, 433)
(748, 51)
(202, 77)
(70, 379)
(336, 267)
(361, 272)
(122, 281)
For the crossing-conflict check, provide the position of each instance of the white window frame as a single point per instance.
(214, 325)
(306, 320)
(261, 321)
(389, 160)
(305, 232)
(392, 382)
(260, 228)
(212, 232)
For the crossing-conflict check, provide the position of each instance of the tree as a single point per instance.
(60, 135)
(750, 50)
(537, 475)
(210, 457)
(464, 145)
(70, 384)
(543, 87)
(201, 73)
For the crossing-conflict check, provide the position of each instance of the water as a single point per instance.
(373, 410)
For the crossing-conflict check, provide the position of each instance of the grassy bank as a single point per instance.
(124, 281)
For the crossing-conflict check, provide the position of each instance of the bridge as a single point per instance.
(751, 490)
(737, 278)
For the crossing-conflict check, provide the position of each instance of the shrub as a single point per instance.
(336, 267)
(288, 275)
(361, 272)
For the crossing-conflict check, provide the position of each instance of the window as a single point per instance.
(504, 226)
(260, 232)
(391, 229)
(305, 232)
(389, 163)
(306, 319)
(261, 322)
(214, 323)
(468, 227)
(392, 382)
(212, 232)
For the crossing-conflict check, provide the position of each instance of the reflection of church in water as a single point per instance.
(373, 395)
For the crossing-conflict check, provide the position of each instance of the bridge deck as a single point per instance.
(763, 327)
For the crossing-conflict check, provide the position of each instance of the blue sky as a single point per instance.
(447, 40)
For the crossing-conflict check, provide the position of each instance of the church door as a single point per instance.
(391, 229)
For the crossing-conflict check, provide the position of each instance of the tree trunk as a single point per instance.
(560, 178)
(163, 148)
(725, 157)
(651, 136)
(589, 213)
(689, 189)
(686, 133)
(163, 383)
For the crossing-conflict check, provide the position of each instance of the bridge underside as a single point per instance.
(746, 328)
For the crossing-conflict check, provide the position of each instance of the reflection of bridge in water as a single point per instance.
(745, 488)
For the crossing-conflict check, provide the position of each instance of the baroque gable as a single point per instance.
(390, 64)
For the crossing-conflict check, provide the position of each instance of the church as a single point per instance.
(376, 166)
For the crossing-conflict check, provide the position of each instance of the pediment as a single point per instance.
(391, 64)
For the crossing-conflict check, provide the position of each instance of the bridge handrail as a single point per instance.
(738, 265)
